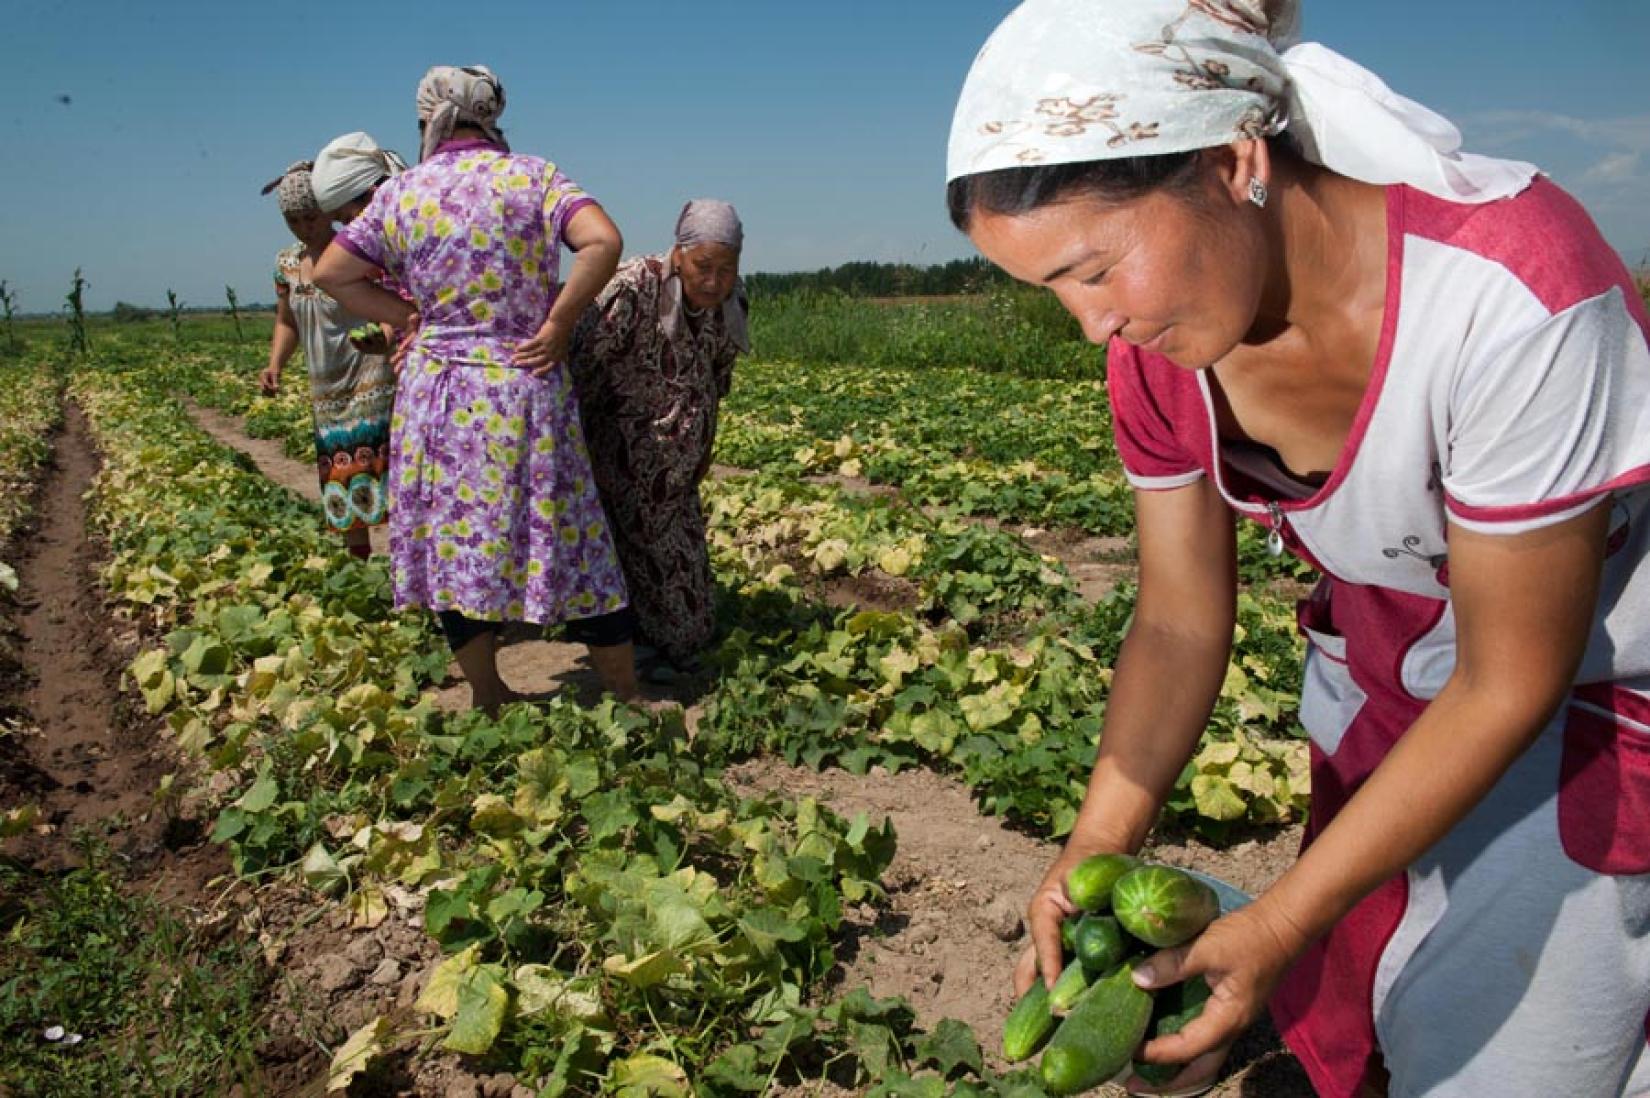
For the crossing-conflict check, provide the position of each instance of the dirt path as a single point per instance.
(91, 762)
(951, 934)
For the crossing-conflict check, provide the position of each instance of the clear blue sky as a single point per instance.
(825, 123)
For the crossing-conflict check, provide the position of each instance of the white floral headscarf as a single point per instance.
(449, 95)
(1069, 81)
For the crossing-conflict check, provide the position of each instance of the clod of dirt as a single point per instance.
(464, 1086)
(387, 973)
(498, 1086)
(335, 973)
(1002, 918)
(364, 952)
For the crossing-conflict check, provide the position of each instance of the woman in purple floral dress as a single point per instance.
(652, 358)
(495, 514)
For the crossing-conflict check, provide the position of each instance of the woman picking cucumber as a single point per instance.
(1425, 373)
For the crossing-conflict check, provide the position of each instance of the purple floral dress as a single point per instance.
(494, 512)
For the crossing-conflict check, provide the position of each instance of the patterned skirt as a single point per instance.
(352, 411)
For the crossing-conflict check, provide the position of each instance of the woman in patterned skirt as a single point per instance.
(495, 515)
(652, 358)
(352, 386)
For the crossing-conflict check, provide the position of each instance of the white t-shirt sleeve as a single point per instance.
(1547, 422)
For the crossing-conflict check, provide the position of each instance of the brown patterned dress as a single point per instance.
(649, 404)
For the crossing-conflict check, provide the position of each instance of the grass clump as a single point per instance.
(159, 1007)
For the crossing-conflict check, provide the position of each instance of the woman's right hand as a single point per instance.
(1049, 907)
(269, 380)
(408, 336)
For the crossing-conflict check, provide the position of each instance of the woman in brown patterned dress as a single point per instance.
(652, 357)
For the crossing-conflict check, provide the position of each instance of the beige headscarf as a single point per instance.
(449, 95)
(292, 190)
(348, 166)
(1070, 81)
(706, 221)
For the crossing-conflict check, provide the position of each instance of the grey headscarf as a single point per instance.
(293, 191)
(707, 221)
(449, 96)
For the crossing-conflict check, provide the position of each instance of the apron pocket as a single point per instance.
(1604, 788)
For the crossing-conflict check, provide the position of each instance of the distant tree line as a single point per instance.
(862, 279)
(125, 312)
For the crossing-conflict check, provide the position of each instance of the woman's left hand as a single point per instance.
(1242, 956)
(546, 350)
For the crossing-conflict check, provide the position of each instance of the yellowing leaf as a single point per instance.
(541, 987)
(357, 1053)
(645, 1075)
(1223, 753)
(368, 908)
(472, 996)
(895, 561)
(647, 970)
(1216, 799)
(482, 1003)
(440, 995)
(493, 817)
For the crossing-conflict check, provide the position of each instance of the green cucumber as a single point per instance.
(1068, 935)
(1098, 943)
(1028, 1023)
(1162, 906)
(1069, 987)
(1090, 881)
(1099, 1036)
(1174, 1010)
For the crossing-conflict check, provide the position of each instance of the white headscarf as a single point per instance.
(1069, 81)
(448, 96)
(706, 221)
(348, 166)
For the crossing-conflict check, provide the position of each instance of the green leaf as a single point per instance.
(237, 624)
(609, 812)
(740, 1068)
(951, 1045)
(261, 795)
(766, 928)
(206, 656)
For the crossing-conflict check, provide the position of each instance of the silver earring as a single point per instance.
(1257, 191)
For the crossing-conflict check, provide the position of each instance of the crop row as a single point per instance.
(31, 406)
(787, 548)
(615, 918)
(990, 666)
